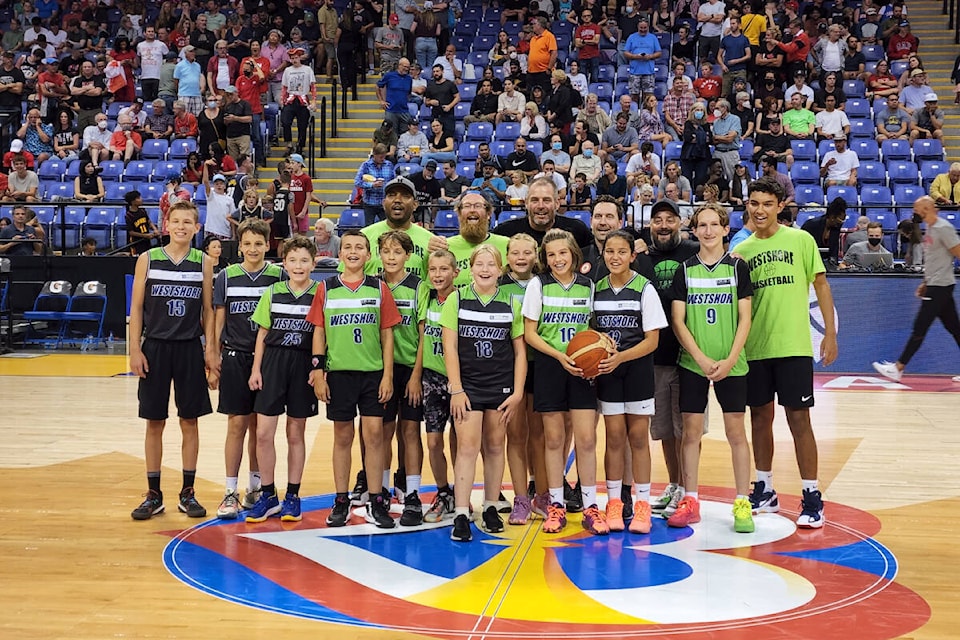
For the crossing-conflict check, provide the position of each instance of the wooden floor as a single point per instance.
(74, 565)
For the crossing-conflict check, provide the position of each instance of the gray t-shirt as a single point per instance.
(938, 261)
(858, 249)
(29, 181)
(612, 137)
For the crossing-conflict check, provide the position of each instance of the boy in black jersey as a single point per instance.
(170, 309)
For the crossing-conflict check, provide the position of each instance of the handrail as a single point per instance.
(311, 146)
(333, 108)
(323, 128)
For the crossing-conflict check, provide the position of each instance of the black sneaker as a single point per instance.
(572, 497)
(385, 494)
(461, 528)
(504, 505)
(627, 499)
(400, 482)
(359, 494)
(492, 522)
(151, 506)
(340, 513)
(412, 510)
(531, 489)
(188, 504)
(378, 513)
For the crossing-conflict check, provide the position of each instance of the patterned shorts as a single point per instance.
(436, 401)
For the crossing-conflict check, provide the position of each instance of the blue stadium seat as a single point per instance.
(73, 170)
(902, 172)
(502, 148)
(182, 147)
(897, 67)
(70, 221)
(113, 109)
(927, 150)
(163, 168)
(854, 88)
(52, 169)
(875, 196)
(582, 216)
(467, 151)
(53, 191)
(112, 170)
(873, 52)
(746, 150)
(151, 191)
(509, 214)
(805, 172)
(603, 90)
(862, 128)
(117, 190)
(825, 147)
(481, 131)
(672, 152)
(446, 223)
(808, 195)
(467, 92)
(606, 73)
(866, 149)
(906, 194)
(885, 217)
(466, 169)
(155, 149)
(535, 147)
(200, 195)
(460, 110)
(350, 219)
(803, 216)
(478, 59)
(408, 169)
(138, 171)
(804, 150)
(857, 108)
(930, 169)
(872, 172)
(952, 217)
(844, 192)
(736, 221)
(896, 150)
(99, 225)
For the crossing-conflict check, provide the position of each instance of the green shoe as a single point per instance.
(742, 516)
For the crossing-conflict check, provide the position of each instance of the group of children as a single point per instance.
(490, 356)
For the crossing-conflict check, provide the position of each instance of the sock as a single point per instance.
(254, 481)
(153, 481)
(531, 479)
(809, 485)
(386, 479)
(642, 491)
(232, 484)
(413, 484)
(489, 503)
(189, 477)
(445, 489)
(462, 511)
(681, 491)
(694, 494)
(556, 495)
(269, 489)
(589, 495)
(343, 496)
(614, 489)
(741, 496)
(766, 477)
(293, 488)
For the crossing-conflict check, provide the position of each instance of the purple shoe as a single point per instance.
(521, 510)
(541, 504)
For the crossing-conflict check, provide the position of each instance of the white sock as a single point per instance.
(614, 489)
(642, 491)
(386, 479)
(740, 496)
(589, 495)
(413, 484)
(255, 481)
(766, 477)
(556, 496)
(694, 494)
(809, 485)
(489, 503)
(232, 484)
(462, 511)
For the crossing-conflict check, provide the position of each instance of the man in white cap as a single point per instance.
(220, 207)
(298, 96)
(238, 116)
(189, 82)
(16, 147)
(928, 121)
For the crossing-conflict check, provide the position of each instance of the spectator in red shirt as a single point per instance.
(708, 85)
(797, 49)
(586, 40)
(184, 122)
(125, 143)
(17, 147)
(902, 43)
(301, 186)
(52, 88)
(222, 69)
(251, 84)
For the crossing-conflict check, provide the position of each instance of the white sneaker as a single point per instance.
(888, 370)
(955, 378)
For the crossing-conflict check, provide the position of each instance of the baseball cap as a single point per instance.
(904, 23)
(230, 89)
(173, 176)
(840, 136)
(219, 176)
(172, 55)
(800, 72)
(872, 11)
(791, 4)
(930, 97)
(50, 61)
(665, 205)
(387, 123)
(8, 54)
(394, 17)
(295, 51)
(296, 157)
(431, 164)
(16, 146)
(401, 183)
(916, 72)
(189, 48)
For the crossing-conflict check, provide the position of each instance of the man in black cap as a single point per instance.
(399, 204)
(428, 193)
(386, 135)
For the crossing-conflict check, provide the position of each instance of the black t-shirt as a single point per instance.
(580, 232)
(766, 142)
(852, 63)
(455, 187)
(291, 16)
(522, 162)
(595, 268)
(444, 92)
(684, 51)
(11, 101)
(239, 108)
(139, 222)
(820, 97)
(64, 138)
(89, 102)
(665, 265)
(70, 66)
(428, 190)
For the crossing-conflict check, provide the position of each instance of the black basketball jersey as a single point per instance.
(284, 313)
(239, 292)
(173, 296)
(484, 340)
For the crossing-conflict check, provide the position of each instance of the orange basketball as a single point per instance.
(588, 348)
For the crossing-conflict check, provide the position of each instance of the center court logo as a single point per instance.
(837, 582)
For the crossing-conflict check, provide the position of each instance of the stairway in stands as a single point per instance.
(938, 52)
(333, 176)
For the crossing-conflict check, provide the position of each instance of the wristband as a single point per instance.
(454, 393)
(319, 362)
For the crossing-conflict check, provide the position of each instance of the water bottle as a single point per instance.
(110, 343)
(87, 341)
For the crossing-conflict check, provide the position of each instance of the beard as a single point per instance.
(474, 232)
(668, 245)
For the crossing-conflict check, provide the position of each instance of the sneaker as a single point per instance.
(521, 510)
(687, 513)
(811, 510)
(266, 506)
(151, 506)
(503, 505)
(491, 522)
(594, 521)
(229, 507)
(641, 517)
(661, 503)
(387, 498)
(359, 495)
(412, 510)
(615, 515)
(627, 499)
(461, 529)
(540, 504)
(400, 483)
(573, 497)
(340, 513)
(763, 501)
(742, 516)
(290, 509)
(378, 513)
(188, 504)
(888, 370)
(250, 498)
(556, 518)
(955, 378)
(532, 486)
(441, 509)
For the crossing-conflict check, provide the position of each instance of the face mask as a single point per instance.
(557, 146)
(212, 104)
(874, 241)
(716, 113)
(629, 10)
(698, 115)
(769, 83)
(248, 73)
(102, 124)
(588, 153)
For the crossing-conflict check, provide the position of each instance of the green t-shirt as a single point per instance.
(351, 323)
(782, 268)
(461, 250)
(799, 121)
(711, 294)
(432, 334)
(416, 264)
(560, 311)
(409, 294)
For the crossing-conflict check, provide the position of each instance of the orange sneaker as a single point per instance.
(556, 518)
(687, 513)
(594, 521)
(641, 517)
(615, 514)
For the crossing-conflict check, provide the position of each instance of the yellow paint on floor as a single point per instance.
(65, 364)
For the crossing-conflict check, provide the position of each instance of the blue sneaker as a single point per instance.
(763, 501)
(290, 511)
(266, 506)
(811, 510)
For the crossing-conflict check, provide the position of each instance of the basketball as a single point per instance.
(587, 349)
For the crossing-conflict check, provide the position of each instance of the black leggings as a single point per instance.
(302, 115)
(938, 304)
